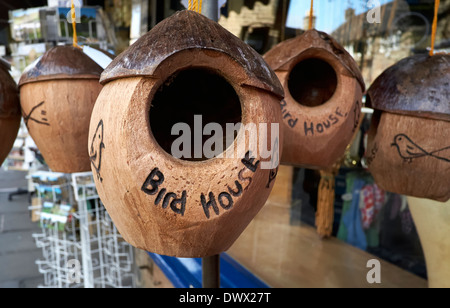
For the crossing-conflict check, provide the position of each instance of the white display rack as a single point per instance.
(84, 244)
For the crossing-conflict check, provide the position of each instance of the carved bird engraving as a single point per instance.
(96, 150)
(409, 150)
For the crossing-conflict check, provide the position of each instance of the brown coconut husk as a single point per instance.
(58, 94)
(321, 116)
(409, 141)
(9, 111)
(159, 203)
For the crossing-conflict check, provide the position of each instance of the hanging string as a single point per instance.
(435, 24)
(195, 5)
(325, 201)
(326, 193)
(74, 25)
(311, 15)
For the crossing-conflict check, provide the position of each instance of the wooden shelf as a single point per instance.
(294, 256)
(286, 256)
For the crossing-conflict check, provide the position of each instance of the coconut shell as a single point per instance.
(58, 93)
(316, 136)
(159, 203)
(9, 111)
(409, 141)
(283, 56)
(168, 38)
(9, 99)
(417, 86)
(62, 62)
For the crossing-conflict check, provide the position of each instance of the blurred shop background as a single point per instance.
(281, 247)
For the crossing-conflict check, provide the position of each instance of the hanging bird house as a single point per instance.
(323, 88)
(57, 95)
(409, 141)
(185, 70)
(9, 111)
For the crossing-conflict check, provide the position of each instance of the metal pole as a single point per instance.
(211, 265)
(211, 272)
(211, 9)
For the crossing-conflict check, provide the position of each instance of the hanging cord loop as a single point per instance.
(325, 202)
(74, 25)
(311, 15)
(435, 24)
(195, 5)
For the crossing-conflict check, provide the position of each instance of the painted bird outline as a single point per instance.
(96, 150)
(28, 117)
(409, 150)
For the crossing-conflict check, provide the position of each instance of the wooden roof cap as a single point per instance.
(189, 30)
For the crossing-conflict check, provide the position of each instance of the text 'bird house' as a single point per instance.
(409, 140)
(322, 108)
(185, 70)
(9, 111)
(58, 93)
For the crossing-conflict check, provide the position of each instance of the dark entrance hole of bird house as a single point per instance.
(312, 82)
(189, 93)
(375, 121)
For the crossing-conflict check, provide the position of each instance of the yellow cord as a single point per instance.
(434, 29)
(74, 25)
(311, 15)
(195, 5)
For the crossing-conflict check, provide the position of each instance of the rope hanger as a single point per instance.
(74, 25)
(311, 15)
(435, 24)
(195, 5)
